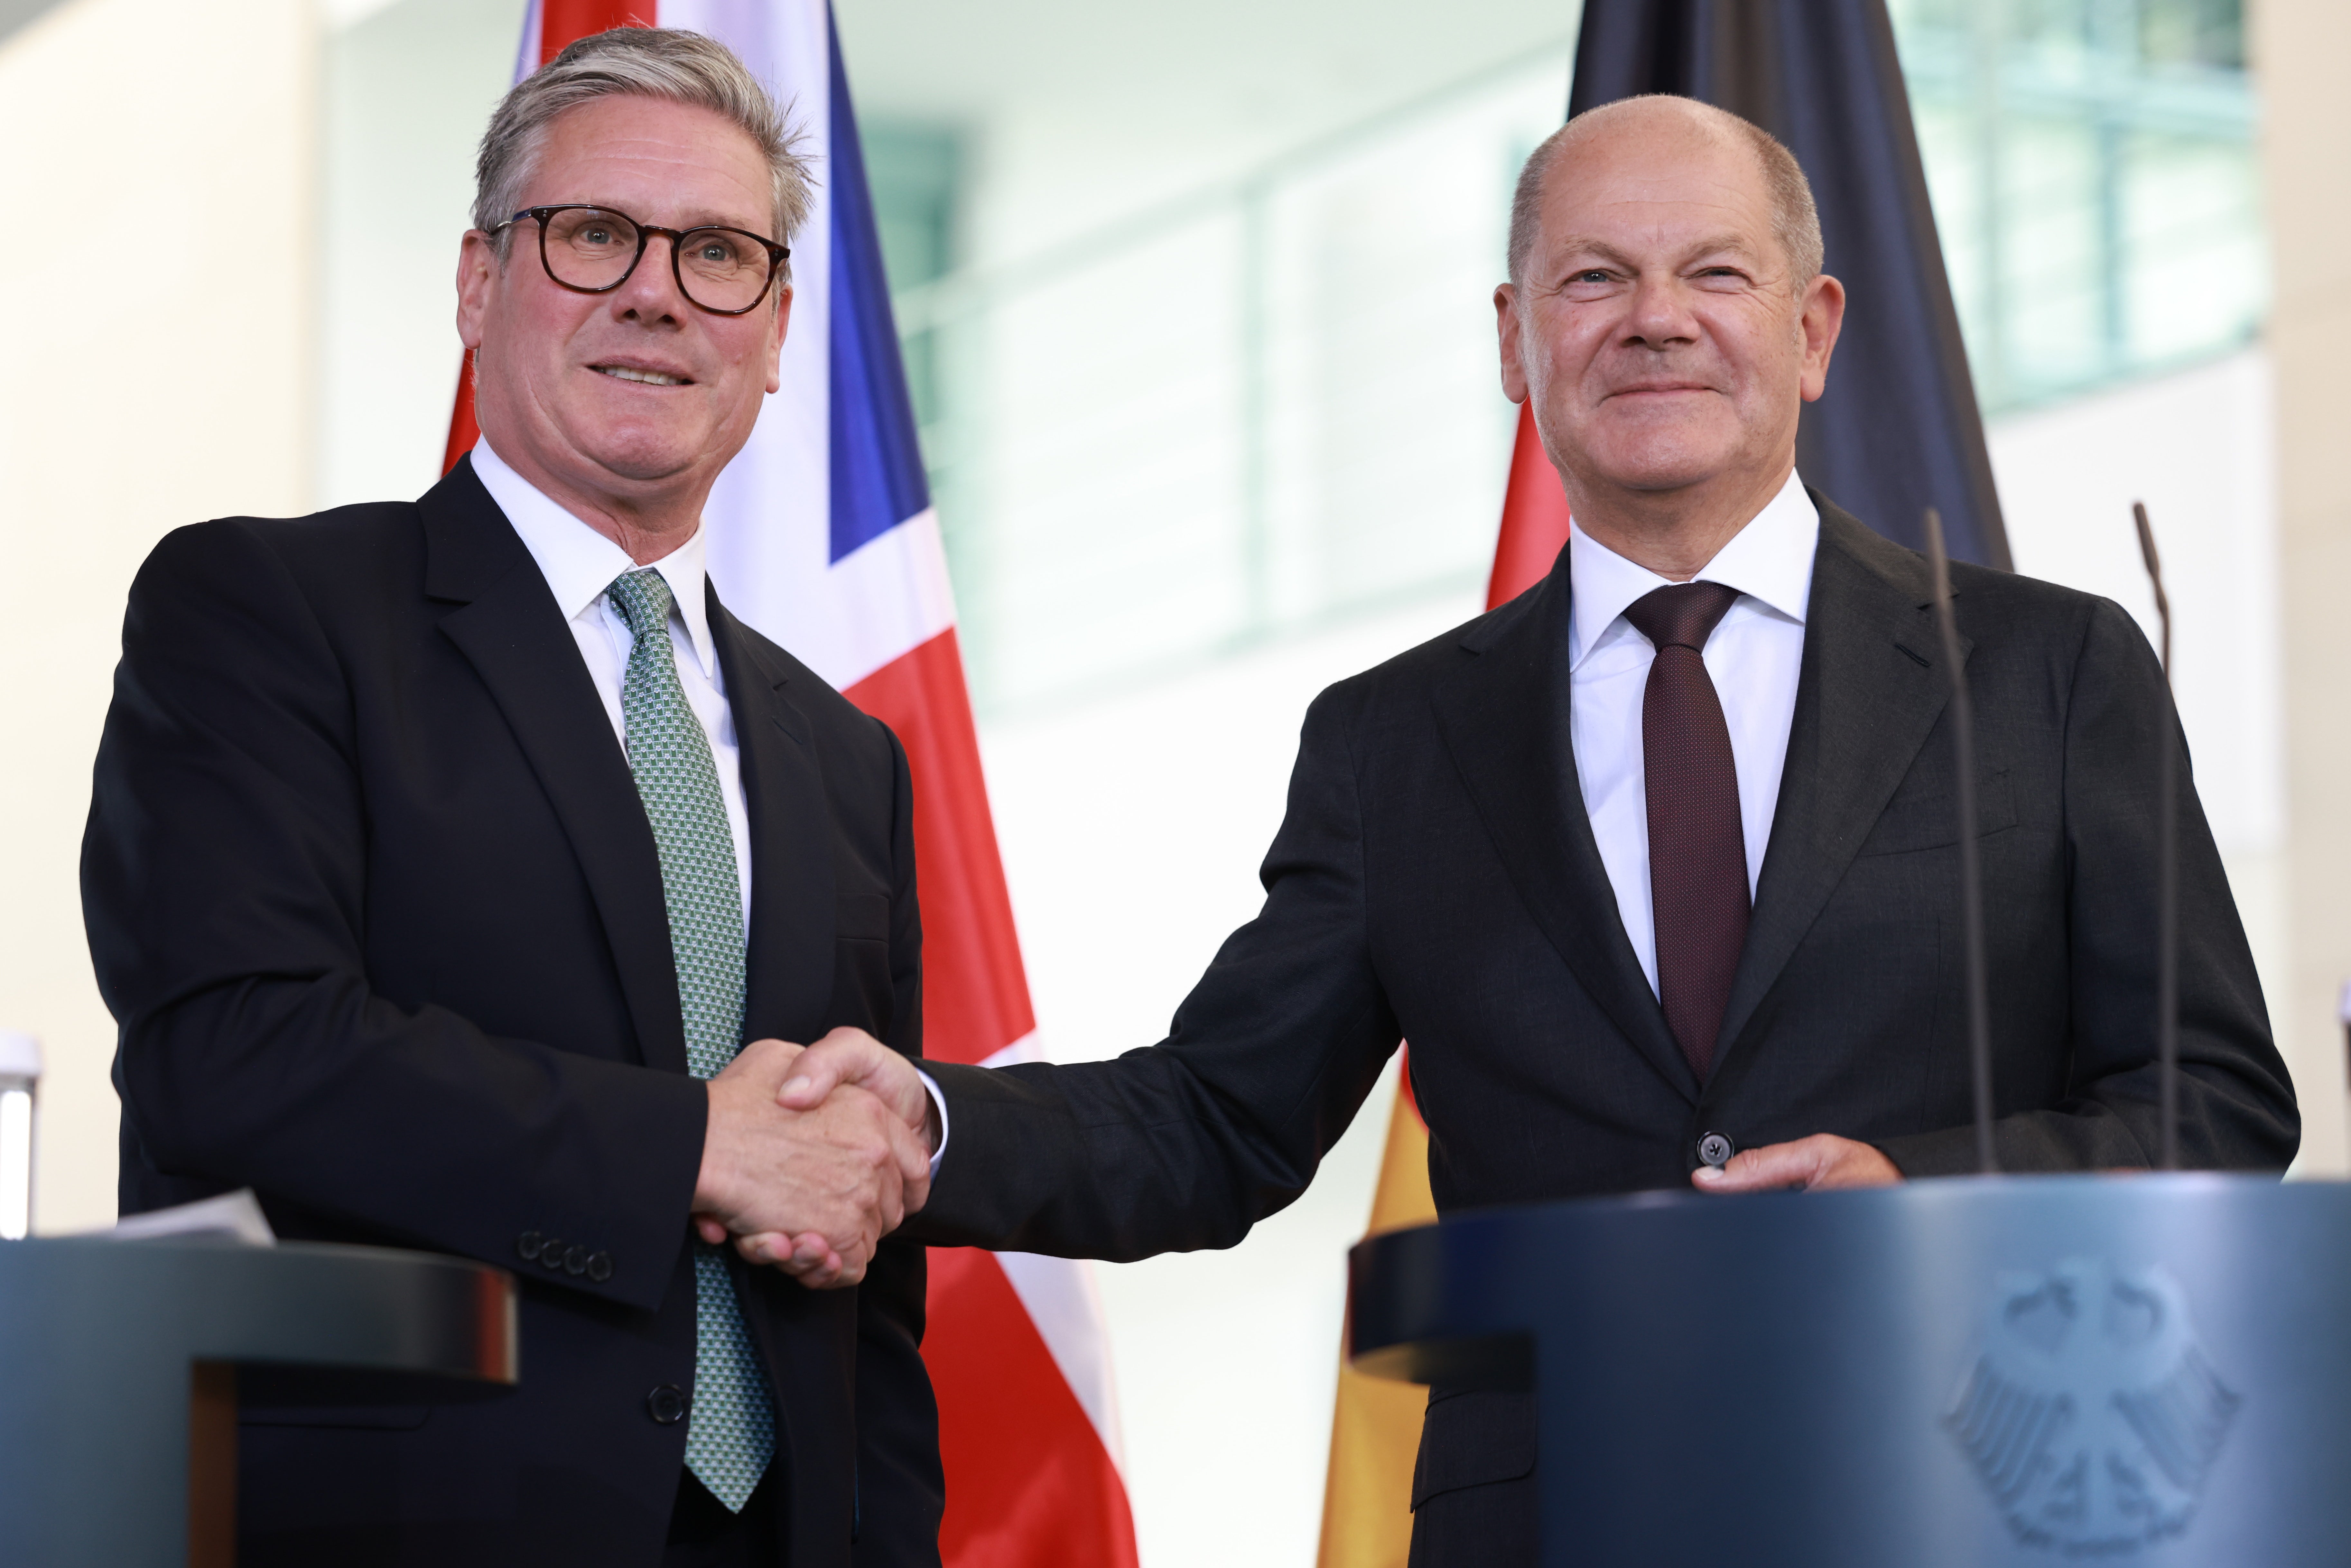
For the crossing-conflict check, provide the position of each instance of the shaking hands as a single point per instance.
(813, 1154)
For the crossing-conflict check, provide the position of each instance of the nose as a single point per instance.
(1659, 315)
(650, 294)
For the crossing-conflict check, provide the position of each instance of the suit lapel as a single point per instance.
(1504, 717)
(790, 967)
(504, 621)
(1870, 690)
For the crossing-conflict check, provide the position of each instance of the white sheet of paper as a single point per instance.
(236, 1215)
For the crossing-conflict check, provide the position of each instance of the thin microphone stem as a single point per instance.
(1963, 746)
(2167, 871)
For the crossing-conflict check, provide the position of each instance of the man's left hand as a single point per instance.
(1812, 1164)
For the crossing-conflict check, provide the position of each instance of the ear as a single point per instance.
(1819, 322)
(1505, 330)
(477, 275)
(776, 338)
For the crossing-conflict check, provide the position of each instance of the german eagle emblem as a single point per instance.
(2092, 1415)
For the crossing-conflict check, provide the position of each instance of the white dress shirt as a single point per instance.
(1752, 658)
(580, 565)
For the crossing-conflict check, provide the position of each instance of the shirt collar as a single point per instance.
(579, 563)
(1770, 559)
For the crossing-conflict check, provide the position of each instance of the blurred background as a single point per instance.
(1195, 305)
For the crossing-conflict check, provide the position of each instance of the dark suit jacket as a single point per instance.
(1437, 878)
(374, 900)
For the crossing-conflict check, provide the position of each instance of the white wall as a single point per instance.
(2298, 47)
(407, 90)
(156, 386)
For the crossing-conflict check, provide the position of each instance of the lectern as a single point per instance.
(1968, 1372)
(121, 1365)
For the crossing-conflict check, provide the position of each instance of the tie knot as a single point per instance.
(642, 598)
(1682, 616)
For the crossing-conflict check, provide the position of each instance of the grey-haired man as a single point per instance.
(444, 854)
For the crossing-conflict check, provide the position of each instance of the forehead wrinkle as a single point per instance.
(1680, 186)
(667, 167)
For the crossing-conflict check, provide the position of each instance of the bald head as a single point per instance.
(1663, 119)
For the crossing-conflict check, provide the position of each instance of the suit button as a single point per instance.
(1716, 1150)
(600, 1266)
(575, 1260)
(550, 1253)
(666, 1404)
(528, 1244)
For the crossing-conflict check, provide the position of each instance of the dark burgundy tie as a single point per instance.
(1697, 850)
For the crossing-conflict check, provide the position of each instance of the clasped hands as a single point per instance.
(813, 1154)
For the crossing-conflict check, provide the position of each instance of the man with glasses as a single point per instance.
(445, 856)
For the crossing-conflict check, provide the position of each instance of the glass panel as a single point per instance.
(2094, 175)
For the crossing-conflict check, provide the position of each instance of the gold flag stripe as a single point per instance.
(1375, 1424)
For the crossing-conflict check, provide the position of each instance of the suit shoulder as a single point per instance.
(1988, 600)
(2018, 594)
(2059, 625)
(1408, 676)
(360, 541)
(287, 592)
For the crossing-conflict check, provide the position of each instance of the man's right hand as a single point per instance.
(846, 1062)
(834, 1175)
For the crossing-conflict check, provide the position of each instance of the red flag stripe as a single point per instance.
(1534, 518)
(562, 21)
(463, 431)
(1024, 1463)
(970, 950)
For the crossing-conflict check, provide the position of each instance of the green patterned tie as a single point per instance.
(731, 1432)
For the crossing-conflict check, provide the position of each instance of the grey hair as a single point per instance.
(1795, 220)
(663, 63)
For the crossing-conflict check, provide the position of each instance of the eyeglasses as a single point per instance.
(592, 250)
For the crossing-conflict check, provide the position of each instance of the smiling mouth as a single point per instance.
(648, 377)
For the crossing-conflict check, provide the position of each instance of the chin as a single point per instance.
(640, 454)
(1658, 465)
(1661, 453)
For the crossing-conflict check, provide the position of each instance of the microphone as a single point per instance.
(1971, 918)
(2167, 874)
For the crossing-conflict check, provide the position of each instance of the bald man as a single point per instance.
(1655, 865)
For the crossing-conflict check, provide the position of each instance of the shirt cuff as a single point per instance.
(939, 1104)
